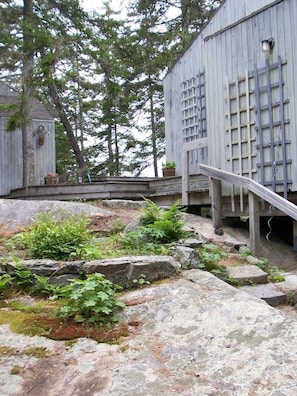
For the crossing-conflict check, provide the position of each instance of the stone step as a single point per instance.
(289, 287)
(268, 292)
(276, 293)
(247, 275)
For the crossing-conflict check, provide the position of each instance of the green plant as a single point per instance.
(5, 282)
(169, 165)
(210, 255)
(20, 279)
(140, 243)
(158, 226)
(162, 226)
(275, 275)
(42, 286)
(262, 264)
(57, 238)
(149, 213)
(141, 281)
(90, 300)
(246, 253)
(116, 226)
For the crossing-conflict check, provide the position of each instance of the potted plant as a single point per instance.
(51, 178)
(168, 168)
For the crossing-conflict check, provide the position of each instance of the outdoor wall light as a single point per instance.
(267, 44)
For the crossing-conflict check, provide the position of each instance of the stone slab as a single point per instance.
(201, 336)
(267, 292)
(124, 270)
(191, 336)
(289, 287)
(247, 274)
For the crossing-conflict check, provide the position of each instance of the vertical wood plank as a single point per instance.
(295, 235)
(185, 177)
(254, 224)
(239, 140)
(216, 202)
(248, 123)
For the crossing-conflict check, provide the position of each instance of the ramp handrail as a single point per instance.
(255, 191)
(274, 199)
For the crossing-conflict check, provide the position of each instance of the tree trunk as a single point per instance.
(27, 97)
(153, 127)
(68, 127)
(117, 152)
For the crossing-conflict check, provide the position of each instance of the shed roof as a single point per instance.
(9, 96)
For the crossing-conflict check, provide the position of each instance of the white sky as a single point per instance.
(116, 5)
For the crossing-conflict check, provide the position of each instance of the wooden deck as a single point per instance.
(164, 191)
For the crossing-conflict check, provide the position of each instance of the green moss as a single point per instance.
(37, 352)
(15, 370)
(70, 343)
(4, 351)
(38, 306)
(124, 348)
(23, 323)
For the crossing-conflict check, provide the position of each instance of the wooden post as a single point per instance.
(294, 235)
(185, 177)
(254, 224)
(216, 202)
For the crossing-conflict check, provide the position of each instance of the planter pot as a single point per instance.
(51, 179)
(167, 172)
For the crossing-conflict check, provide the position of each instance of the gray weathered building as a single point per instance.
(11, 152)
(243, 99)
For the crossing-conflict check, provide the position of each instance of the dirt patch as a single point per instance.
(233, 260)
(106, 225)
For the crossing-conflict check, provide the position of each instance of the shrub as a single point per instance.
(55, 238)
(90, 300)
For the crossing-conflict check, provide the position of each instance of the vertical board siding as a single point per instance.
(44, 155)
(229, 49)
(11, 156)
(10, 159)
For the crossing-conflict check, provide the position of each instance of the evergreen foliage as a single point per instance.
(99, 73)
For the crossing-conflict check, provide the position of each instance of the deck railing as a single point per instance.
(256, 192)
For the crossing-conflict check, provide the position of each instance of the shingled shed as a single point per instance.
(11, 150)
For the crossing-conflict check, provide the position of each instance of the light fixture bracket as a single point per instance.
(267, 44)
